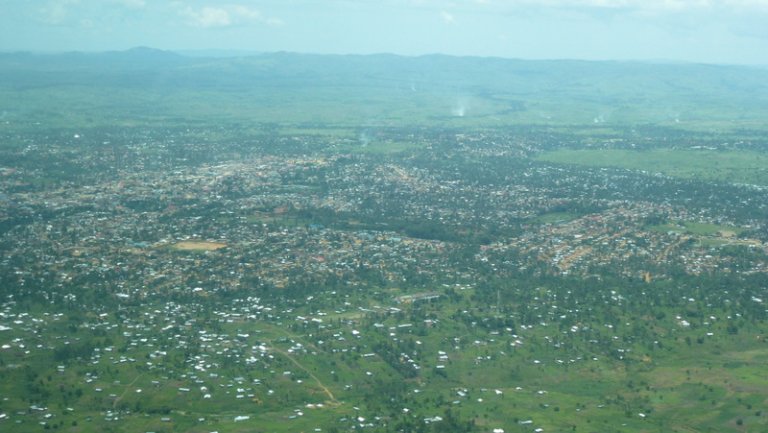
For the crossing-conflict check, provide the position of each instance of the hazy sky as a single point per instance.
(712, 31)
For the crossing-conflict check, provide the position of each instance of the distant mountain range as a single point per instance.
(429, 69)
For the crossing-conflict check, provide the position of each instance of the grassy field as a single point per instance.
(555, 217)
(725, 166)
(199, 246)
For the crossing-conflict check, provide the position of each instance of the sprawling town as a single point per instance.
(389, 280)
(283, 243)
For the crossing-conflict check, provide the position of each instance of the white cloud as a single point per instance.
(57, 11)
(761, 5)
(207, 17)
(643, 5)
(247, 13)
(275, 22)
(447, 17)
(611, 4)
(659, 5)
(227, 15)
(131, 4)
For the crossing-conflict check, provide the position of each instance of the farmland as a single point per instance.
(710, 165)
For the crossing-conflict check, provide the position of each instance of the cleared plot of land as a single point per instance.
(555, 218)
(700, 229)
(709, 235)
(727, 166)
(199, 246)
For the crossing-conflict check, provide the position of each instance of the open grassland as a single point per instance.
(342, 107)
(355, 91)
(724, 166)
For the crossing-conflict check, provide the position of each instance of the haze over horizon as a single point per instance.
(705, 31)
